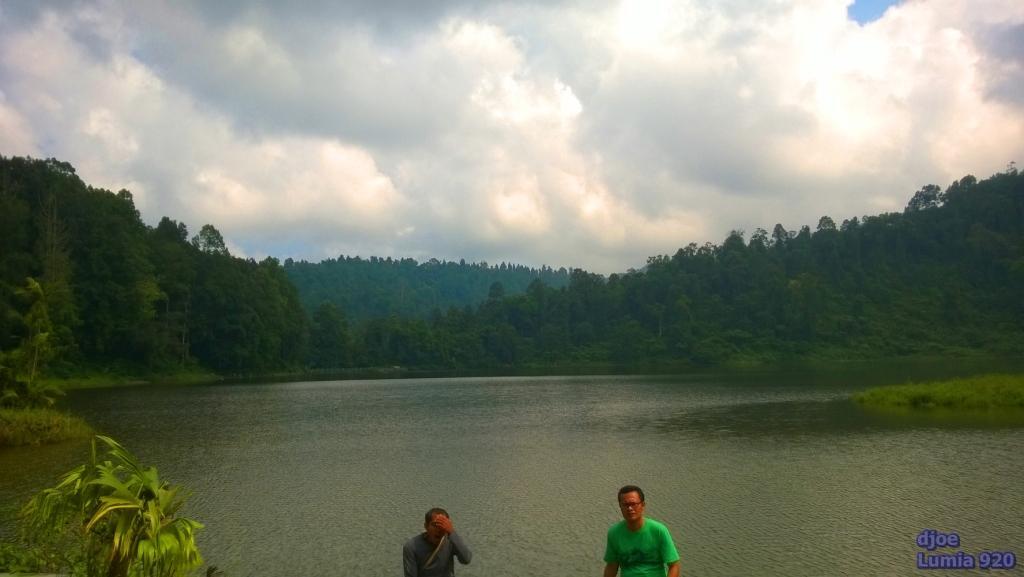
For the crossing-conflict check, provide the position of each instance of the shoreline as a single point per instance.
(971, 365)
(98, 380)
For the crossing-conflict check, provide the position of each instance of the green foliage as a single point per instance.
(116, 292)
(210, 241)
(377, 288)
(245, 316)
(330, 342)
(17, 558)
(22, 395)
(18, 393)
(930, 196)
(54, 256)
(35, 426)
(943, 277)
(120, 515)
(980, 392)
(36, 348)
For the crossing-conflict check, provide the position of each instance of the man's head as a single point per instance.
(631, 503)
(434, 528)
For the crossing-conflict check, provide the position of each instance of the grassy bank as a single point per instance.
(126, 378)
(975, 393)
(38, 426)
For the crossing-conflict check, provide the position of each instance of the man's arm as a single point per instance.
(409, 561)
(612, 569)
(673, 569)
(460, 548)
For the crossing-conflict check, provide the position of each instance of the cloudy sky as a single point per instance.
(570, 133)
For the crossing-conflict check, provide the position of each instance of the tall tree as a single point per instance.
(56, 282)
(210, 241)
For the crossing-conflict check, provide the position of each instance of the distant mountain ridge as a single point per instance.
(366, 288)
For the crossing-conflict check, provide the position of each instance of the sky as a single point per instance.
(590, 134)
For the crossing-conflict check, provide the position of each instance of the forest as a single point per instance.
(86, 285)
(381, 287)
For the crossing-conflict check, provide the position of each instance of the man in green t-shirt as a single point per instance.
(641, 547)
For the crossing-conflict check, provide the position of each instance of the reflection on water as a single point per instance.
(755, 474)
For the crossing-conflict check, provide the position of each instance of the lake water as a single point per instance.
(754, 474)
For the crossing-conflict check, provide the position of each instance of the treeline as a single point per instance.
(945, 276)
(382, 287)
(84, 283)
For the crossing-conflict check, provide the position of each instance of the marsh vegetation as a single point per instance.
(984, 392)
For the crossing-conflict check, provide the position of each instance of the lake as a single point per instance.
(754, 473)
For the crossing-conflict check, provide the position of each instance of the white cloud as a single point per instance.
(287, 184)
(126, 128)
(580, 135)
(800, 105)
(15, 132)
(108, 132)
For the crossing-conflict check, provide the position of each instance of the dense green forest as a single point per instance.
(85, 284)
(944, 277)
(382, 287)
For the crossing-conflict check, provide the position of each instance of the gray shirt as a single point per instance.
(418, 549)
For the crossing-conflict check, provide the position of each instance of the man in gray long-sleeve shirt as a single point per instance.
(432, 553)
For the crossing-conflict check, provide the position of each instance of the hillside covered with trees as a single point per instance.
(382, 287)
(84, 284)
(943, 277)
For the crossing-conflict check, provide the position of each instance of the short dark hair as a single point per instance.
(430, 515)
(631, 489)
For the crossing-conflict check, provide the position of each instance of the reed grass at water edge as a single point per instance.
(984, 392)
(36, 426)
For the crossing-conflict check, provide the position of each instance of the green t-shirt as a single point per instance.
(643, 553)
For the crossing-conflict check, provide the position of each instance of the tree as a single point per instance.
(113, 274)
(176, 278)
(55, 258)
(35, 348)
(16, 258)
(930, 196)
(496, 292)
(121, 515)
(210, 241)
(779, 237)
(378, 288)
(759, 240)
